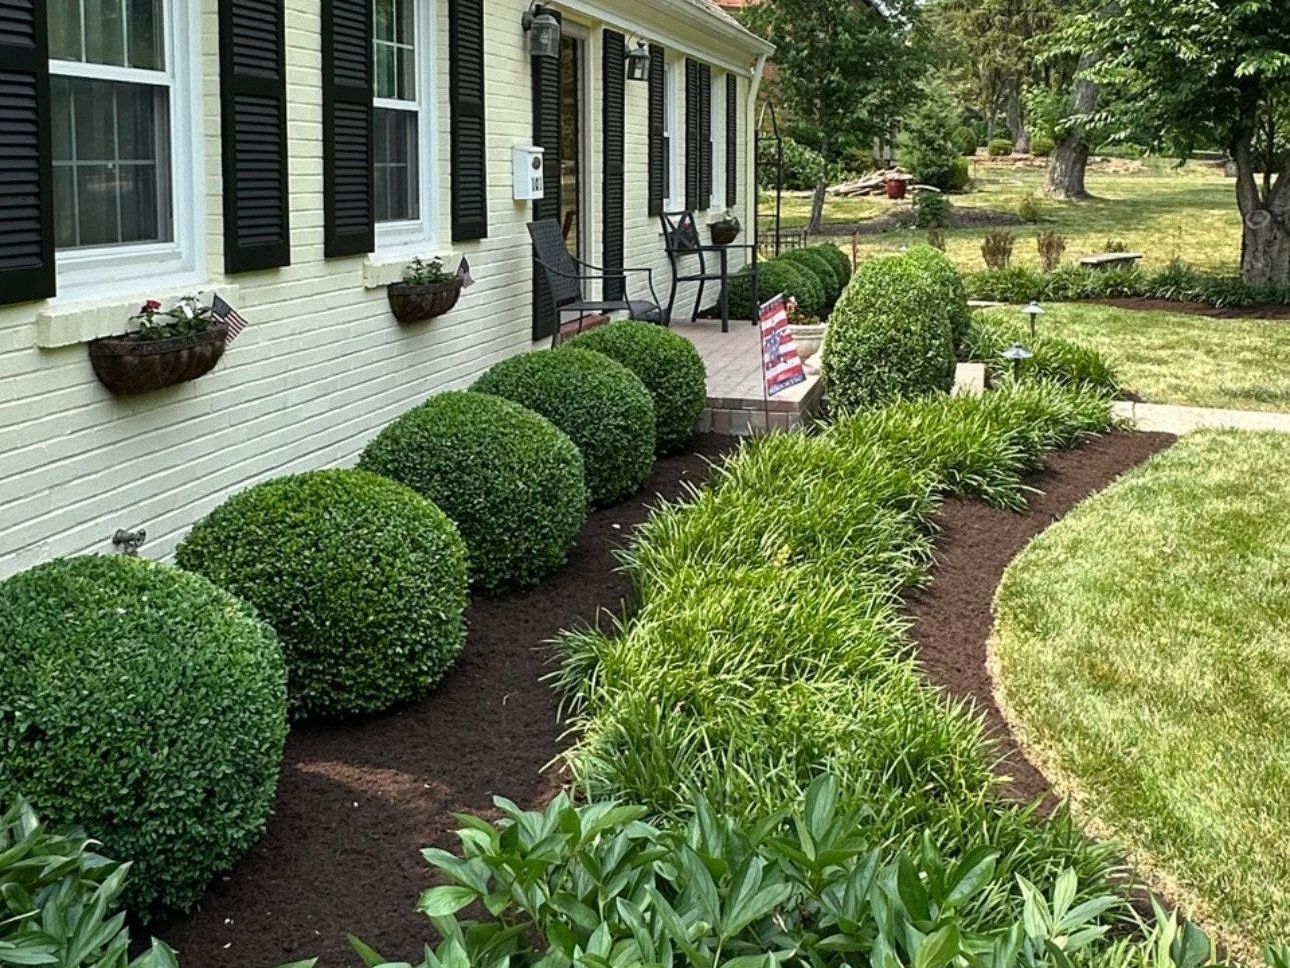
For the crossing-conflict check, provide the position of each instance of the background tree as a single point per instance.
(929, 139)
(1202, 72)
(843, 68)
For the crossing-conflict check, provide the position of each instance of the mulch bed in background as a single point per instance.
(1142, 303)
(953, 616)
(358, 800)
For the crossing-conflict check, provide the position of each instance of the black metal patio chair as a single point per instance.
(565, 275)
(681, 239)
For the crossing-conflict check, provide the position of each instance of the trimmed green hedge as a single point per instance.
(603, 407)
(510, 479)
(819, 265)
(773, 277)
(147, 706)
(999, 147)
(364, 580)
(669, 366)
(889, 336)
(840, 261)
(940, 272)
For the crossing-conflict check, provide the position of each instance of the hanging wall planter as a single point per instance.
(425, 292)
(725, 231)
(168, 348)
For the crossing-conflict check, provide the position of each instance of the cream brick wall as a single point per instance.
(323, 366)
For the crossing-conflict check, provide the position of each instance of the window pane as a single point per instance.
(383, 11)
(406, 64)
(104, 32)
(396, 183)
(405, 21)
(384, 68)
(146, 34)
(65, 30)
(111, 162)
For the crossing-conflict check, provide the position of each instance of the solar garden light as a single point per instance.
(1034, 311)
(638, 62)
(1017, 353)
(543, 30)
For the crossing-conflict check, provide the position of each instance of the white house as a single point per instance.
(293, 155)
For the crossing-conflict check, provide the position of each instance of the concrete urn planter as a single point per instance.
(809, 339)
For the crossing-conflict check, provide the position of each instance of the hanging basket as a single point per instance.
(725, 231)
(127, 365)
(417, 303)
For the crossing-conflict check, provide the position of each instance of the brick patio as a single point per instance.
(736, 398)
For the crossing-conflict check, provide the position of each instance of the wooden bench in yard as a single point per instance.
(1111, 260)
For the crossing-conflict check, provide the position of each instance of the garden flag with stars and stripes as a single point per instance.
(463, 273)
(781, 365)
(222, 312)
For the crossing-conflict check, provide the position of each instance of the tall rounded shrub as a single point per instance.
(840, 261)
(940, 272)
(599, 403)
(820, 266)
(363, 579)
(511, 481)
(147, 706)
(669, 366)
(889, 336)
(773, 277)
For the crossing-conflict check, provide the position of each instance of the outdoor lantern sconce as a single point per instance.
(543, 30)
(1033, 311)
(638, 62)
(1017, 354)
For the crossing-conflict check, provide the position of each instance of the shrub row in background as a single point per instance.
(815, 276)
(1054, 359)
(147, 706)
(769, 646)
(890, 334)
(1176, 282)
(603, 407)
(364, 581)
(511, 481)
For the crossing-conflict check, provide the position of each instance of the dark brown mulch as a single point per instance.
(357, 801)
(1142, 303)
(953, 616)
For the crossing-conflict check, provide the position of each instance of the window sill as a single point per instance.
(382, 269)
(66, 324)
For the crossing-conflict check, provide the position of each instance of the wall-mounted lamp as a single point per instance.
(543, 30)
(638, 62)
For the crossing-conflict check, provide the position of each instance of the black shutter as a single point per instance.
(253, 98)
(692, 153)
(705, 137)
(348, 209)
(466, 101)
(615, 66)
(26, 171)
(732, 141)
(657, 128)
(546, 135)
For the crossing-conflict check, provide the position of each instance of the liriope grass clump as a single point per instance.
(769, 644)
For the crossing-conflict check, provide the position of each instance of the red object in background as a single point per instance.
(895, 188)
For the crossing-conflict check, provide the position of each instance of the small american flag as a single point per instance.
(226, 314)
(463, 273)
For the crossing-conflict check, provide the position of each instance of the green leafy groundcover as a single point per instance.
(363, 579)
(1052, 358)
(147, 706)
(510, 480)
(669, 366)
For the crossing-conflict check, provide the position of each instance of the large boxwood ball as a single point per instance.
(363, 579)
(940, 272)
(510, 479)
(600, 404)
(148, 707)
(774, 277)
(889, 336)
(840, 261)
(669, 366)
(820, 266)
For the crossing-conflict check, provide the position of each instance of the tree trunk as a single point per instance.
(1265, 231)
(1069, 161)
(816, 221)
(1017, 120)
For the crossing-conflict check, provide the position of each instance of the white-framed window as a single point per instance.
(403, 121)
(717, 141)
(673, 176)
(125, 160)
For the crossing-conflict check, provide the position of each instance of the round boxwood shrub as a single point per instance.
(669, 366)
(889, 336)
(146, 706)
(965, 140)
(1041, 146)
(364, 580)
(600, 404)
(819, 265)
(940, 272)
(773, 277)
(999, 147)
(840, 261)
(511, 481)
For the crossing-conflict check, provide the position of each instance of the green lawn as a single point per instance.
(1143, 650)
(1240, 364)
(1158, 210)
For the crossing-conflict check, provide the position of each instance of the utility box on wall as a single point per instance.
(527, 163)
